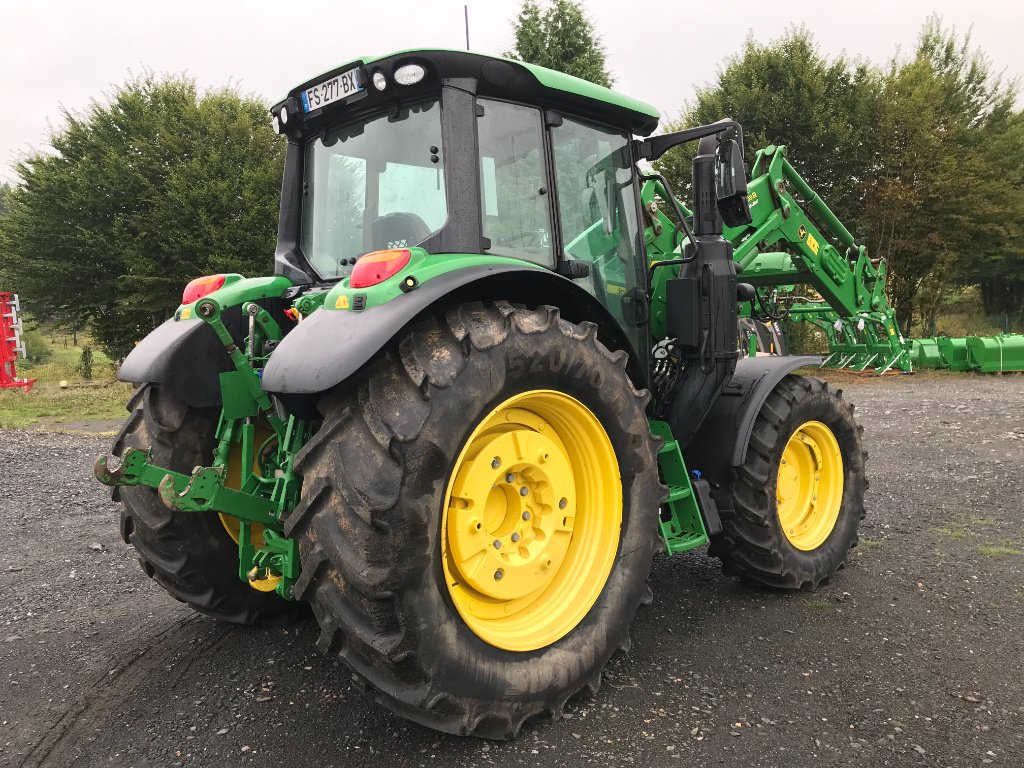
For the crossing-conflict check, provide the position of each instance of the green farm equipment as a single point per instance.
(495, 371)
(1002, 353)
(996, 354)
(794, 238)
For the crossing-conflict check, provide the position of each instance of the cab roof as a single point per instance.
(498, 77)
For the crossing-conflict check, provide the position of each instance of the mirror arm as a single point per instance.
(656, 146)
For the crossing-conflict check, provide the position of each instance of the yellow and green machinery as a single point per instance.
(494, 373)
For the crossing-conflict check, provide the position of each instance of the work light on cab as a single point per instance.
(202, 286)
(378, 266)
(410, 74)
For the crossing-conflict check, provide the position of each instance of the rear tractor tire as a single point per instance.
(190, 554)
(798, 498)
(478, 518)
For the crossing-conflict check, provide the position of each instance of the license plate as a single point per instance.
(336, 89)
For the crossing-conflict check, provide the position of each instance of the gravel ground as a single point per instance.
(912, 656)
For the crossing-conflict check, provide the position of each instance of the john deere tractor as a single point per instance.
(494, 373)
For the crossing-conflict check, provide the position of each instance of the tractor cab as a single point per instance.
(458, 153)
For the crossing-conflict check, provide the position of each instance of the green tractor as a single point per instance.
(495, 372)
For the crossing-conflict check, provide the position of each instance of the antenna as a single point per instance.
(465, 10)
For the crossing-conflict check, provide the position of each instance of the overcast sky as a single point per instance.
(66, 52)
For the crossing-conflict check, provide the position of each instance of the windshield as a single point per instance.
(372, 185)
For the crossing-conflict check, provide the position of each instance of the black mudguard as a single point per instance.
(721, 442)
(184, 355)
(331, 345)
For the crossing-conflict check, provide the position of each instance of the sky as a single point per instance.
(65, 53)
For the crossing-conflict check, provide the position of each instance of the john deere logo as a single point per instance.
(802, 231)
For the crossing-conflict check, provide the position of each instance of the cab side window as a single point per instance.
(598, 214)
(514, 197)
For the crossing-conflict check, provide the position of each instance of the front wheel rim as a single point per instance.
(531, 520)
(809, 486)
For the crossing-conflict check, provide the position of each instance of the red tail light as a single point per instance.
(201, 286)
(377, 267)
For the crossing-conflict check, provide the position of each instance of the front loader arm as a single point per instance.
(805, 229)
(795, 238)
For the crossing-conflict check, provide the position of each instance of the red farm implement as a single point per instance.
(10, 343)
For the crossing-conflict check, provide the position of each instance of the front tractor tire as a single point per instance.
(190, 554)
(798, 498)
(478, 518)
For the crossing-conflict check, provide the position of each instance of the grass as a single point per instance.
(868, 544)
(953, 533)
(999, 551)
(48, 405)
(961, 315)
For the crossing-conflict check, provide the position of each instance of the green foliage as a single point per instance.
(38, 349)
(5, 279)
(941, 205)
(960, 315)
(158, 186)
(786, 92)
(922, 159)
(85, 364)
(804, 339)
(560, 37)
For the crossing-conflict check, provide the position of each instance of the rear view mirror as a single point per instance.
(731, 183)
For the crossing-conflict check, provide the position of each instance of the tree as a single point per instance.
(5, 194)
(786, 92)
(944, 203)
(158, 186)
(923, 159)
(997, 266)
(560, 37)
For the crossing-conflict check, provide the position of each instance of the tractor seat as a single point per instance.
(399, 230)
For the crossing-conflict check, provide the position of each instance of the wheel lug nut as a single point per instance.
(509, 477)
(563, 503)
(524, 491)
(495, 462)
(497, 543)
(515, 537)
(526, 515)
(499, 574)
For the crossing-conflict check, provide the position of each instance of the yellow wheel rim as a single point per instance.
(809, 491)
(231, 524)
(531, 519)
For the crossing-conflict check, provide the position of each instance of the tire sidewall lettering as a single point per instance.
(521, 363)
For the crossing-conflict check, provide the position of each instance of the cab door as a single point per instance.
(597, 215)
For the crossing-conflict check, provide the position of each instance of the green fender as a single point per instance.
(330, 345)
